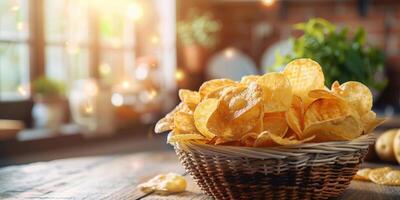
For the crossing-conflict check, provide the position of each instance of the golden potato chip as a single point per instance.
(249, 79)
(357, 95)
(163, 125)
(167, 123)
(213, 85)
(202, 114)
(335, 86)
(304, 75)
(392, 178)
(362, 174)
(220, 122)
(276, 92)
(173, 137)
(378, 175)
(322, 94)
(286, 141)
(294, 116)
(370, 122)
(345, 128)
(250, 120)
(164, 184)
(275, 123)
(249, 139)
(264, 140)
(222, 141)
(245, 110)
(184, 123)
(324, 110)
(242, 98)
(191, 98)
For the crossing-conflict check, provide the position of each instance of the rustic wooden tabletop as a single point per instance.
(116, 177)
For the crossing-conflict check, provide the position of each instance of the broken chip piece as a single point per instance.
(164, 184)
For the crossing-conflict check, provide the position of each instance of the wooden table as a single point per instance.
(116, 177)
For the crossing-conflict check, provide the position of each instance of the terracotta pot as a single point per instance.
(194, 56)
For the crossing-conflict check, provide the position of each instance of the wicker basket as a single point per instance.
(307, 171)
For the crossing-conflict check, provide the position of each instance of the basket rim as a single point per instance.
(279, 152)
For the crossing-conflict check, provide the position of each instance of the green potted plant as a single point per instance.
(342, 57)
(197, 33)
(49, 103)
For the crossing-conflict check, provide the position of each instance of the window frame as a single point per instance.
(37, 44)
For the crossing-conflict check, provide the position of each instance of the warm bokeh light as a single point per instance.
(154, 39)
(72, 48)
(152, 94)
(126, 84)
(22, 91)
(179, 75)
(228, 53)
(88, 108)
(134, 11)
(142, 72)
(20, 26)
(117, 99)
(91, 89)
(105, 69)
(15, 8)
(268, 2)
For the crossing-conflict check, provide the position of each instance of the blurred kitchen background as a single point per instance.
(91, 77)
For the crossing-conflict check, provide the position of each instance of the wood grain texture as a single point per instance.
(116, 177)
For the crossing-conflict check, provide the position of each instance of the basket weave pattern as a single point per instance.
(308, 171)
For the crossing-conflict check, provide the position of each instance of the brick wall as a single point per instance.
(243, 20)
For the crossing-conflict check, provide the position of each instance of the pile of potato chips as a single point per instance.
(280, 108)
(383, 175)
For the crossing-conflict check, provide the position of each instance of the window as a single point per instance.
(66, 39)
(14, 49)
(78, 39)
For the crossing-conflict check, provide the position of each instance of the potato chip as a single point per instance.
(164, 184)
(249, 79)
(223, 141)
(184, 123)
(275, 123)
(322, 94)
(164, 125)
(243, 98)
(345, 128)
(335, 86)
(276, 92)
(249, 139)
(357, 95)
(324, 110)
(212, 85)
(286, 141)
(190, 98)
(392, 178)
(167, 123)
(219, 121)
(264, 140)
(378, 175)
(173, 137)
(202, 114)
(294, 116)
(362, 174)
(304, 75)
(370, 122)
(250, 120)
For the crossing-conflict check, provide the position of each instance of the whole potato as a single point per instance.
(396, 146)
(384, 146)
